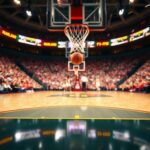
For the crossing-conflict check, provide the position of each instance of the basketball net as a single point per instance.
(77, 34)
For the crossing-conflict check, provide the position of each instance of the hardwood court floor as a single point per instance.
(123, 101)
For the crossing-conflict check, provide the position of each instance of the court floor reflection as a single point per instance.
(74, 134)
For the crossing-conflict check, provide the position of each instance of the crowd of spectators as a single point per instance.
(109, 72)
(52, 74)
(12, 78)
(55, 75)
(139, 81)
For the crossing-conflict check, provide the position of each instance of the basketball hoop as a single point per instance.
(77, 34)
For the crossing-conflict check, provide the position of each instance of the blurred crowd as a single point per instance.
(100, 74)
(12, 78)
(138, 81)
(109, 72)
(52, 73)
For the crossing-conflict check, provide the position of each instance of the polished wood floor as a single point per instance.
(121, 100)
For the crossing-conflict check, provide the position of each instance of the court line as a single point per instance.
(114, 108)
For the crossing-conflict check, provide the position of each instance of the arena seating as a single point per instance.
(12, 78)
(54, 74)
(109, 72)
(50, 73)
(139, 80)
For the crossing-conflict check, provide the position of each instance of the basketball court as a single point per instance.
(75, 105)
(74, 74)
(77, 20)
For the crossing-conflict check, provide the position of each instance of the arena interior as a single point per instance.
(74, 74)
(75, 59)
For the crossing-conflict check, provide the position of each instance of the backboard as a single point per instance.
(92, 13)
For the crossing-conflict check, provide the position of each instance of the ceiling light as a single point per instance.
(148, 5)
(29, 13)
(17, 2)
(131, 1)
(121, 11)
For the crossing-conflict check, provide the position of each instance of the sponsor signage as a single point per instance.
(119, 41)
(29, 40)
(9, 34)
(140, 34)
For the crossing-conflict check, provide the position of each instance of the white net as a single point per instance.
(77, 34)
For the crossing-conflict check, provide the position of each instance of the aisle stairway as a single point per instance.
(31, 74)
(130, 73)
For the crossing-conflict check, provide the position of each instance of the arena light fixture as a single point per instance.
(131, 1)
(29, 12)
(121, 11)
(17, 2)
(121, 8)
(148, 5)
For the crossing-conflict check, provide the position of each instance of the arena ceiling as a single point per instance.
(134, 12)
(13, 17)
